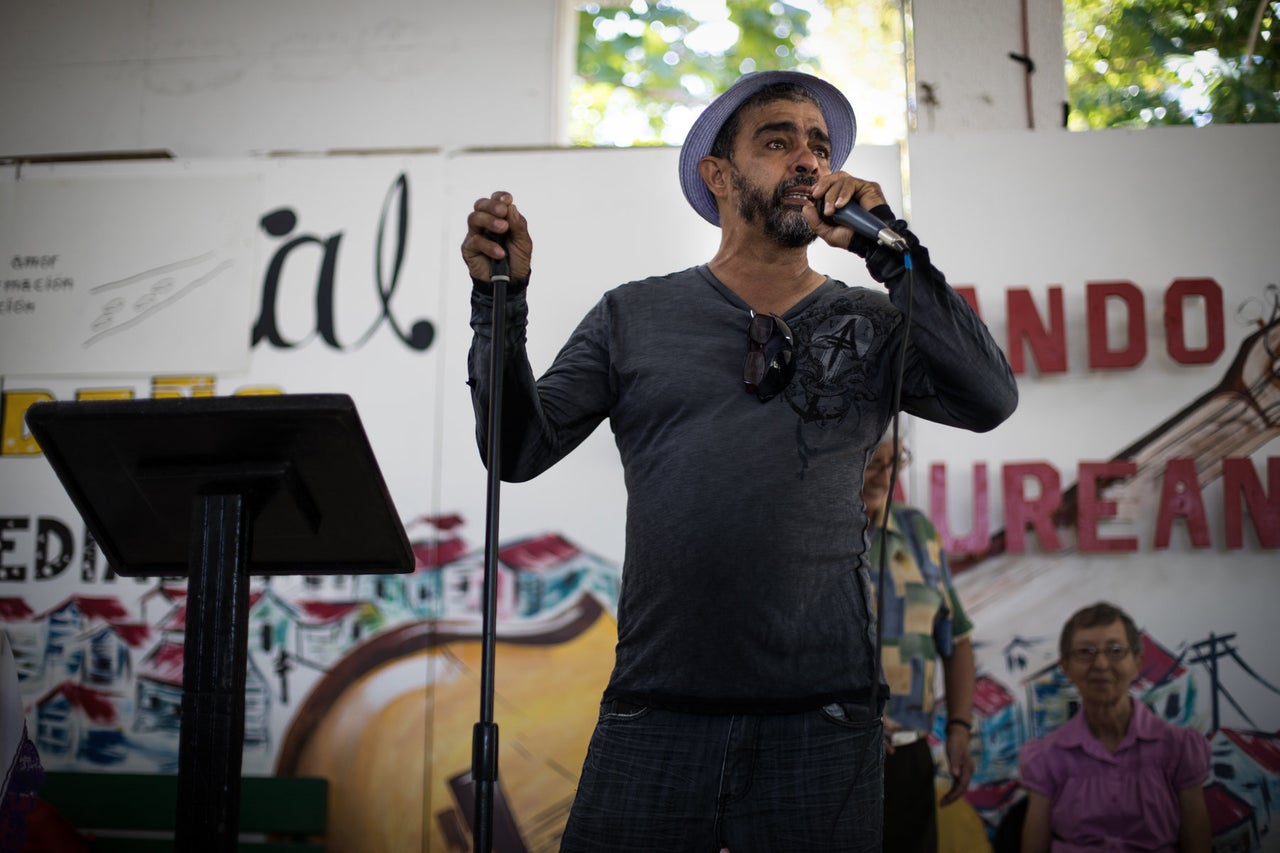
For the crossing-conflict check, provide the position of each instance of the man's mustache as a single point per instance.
(791, 183)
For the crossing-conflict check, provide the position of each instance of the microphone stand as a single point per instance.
(484, 739)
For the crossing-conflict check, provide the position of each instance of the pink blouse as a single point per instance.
(1121, 801)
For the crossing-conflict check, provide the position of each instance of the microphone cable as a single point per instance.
(893, 482)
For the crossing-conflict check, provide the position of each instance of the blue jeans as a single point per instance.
(658, 781)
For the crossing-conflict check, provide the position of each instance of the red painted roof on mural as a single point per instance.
(540, 552)
(167, 591)
(15, 610)
(95, 704)
(990, 695)
(134, 634)
(1262, 747)
(991, 796)
(109, 609)
(1225, 808)
(176, 620)
(430, 553)
(447, 522)
(327, 611)
(164, 664)
(1158, 664)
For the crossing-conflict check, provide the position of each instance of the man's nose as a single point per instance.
(806, 162)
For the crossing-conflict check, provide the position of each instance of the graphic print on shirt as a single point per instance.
(835, 377)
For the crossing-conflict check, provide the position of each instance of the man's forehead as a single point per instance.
(802, 116)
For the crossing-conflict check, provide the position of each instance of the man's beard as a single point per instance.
(784, 224)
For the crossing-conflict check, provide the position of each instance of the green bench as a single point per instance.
(136, 812)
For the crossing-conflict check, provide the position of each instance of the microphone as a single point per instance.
(864, 222)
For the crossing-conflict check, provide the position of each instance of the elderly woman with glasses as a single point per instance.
(1115, 776)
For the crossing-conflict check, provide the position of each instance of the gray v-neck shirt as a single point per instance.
(745, 585)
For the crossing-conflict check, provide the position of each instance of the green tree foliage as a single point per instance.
(646, 67)
(1133, 63)
(650, 59)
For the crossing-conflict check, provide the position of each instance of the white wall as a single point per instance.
(241, 77)
(962, 56)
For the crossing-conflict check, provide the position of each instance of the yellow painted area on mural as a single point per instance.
(960, 829)
(104, 394)
(168, 387)
(414, 715)
(14, 438)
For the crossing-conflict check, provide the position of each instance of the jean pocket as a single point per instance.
(853, 714)
(615, 709)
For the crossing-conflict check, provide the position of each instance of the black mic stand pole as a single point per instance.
(484, 740)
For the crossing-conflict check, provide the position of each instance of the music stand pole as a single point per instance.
(484, 743)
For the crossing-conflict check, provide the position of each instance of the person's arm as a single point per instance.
(955, 373)
(542, 420)
(1035, 826)
(958, 674)
(1193, 828)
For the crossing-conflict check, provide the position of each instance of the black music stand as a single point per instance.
(217, 489)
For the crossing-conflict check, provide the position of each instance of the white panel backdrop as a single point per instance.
(385, 320)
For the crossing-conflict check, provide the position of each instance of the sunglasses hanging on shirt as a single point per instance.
(763, 374)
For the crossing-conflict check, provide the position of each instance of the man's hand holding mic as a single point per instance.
(497, 230)
(842, 207)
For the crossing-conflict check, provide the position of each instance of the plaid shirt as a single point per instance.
(922, 614)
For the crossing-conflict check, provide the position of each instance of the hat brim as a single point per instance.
(842, 127)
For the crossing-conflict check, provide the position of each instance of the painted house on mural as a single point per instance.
(75, 723)
(158, 705)
(420, 594)
(159, 695)
(424, 588)
(271, 638)
(68, 620)
(997, 734)
(994, 801)
(1166, 684)
(1232, 822)
(326, 629)
(1051, 699)
(159, 602)
(997, 730)
(109, 651)
(271, 622)
(26, 638)
(550, 571)
(1247, 763)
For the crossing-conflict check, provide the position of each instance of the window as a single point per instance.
(645, 69)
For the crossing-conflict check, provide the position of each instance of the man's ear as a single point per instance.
(715, 174)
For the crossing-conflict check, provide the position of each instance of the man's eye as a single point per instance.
(823, 153)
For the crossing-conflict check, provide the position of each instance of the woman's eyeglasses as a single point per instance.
(1088, 654)
(879, 466)
(763, 375)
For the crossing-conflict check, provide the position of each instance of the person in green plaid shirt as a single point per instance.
(923, 622)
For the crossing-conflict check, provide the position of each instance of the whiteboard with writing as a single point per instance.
(119, 274)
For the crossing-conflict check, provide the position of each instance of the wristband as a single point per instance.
(956, 721)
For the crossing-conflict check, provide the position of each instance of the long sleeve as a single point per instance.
(955, 373)
(544, 419)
